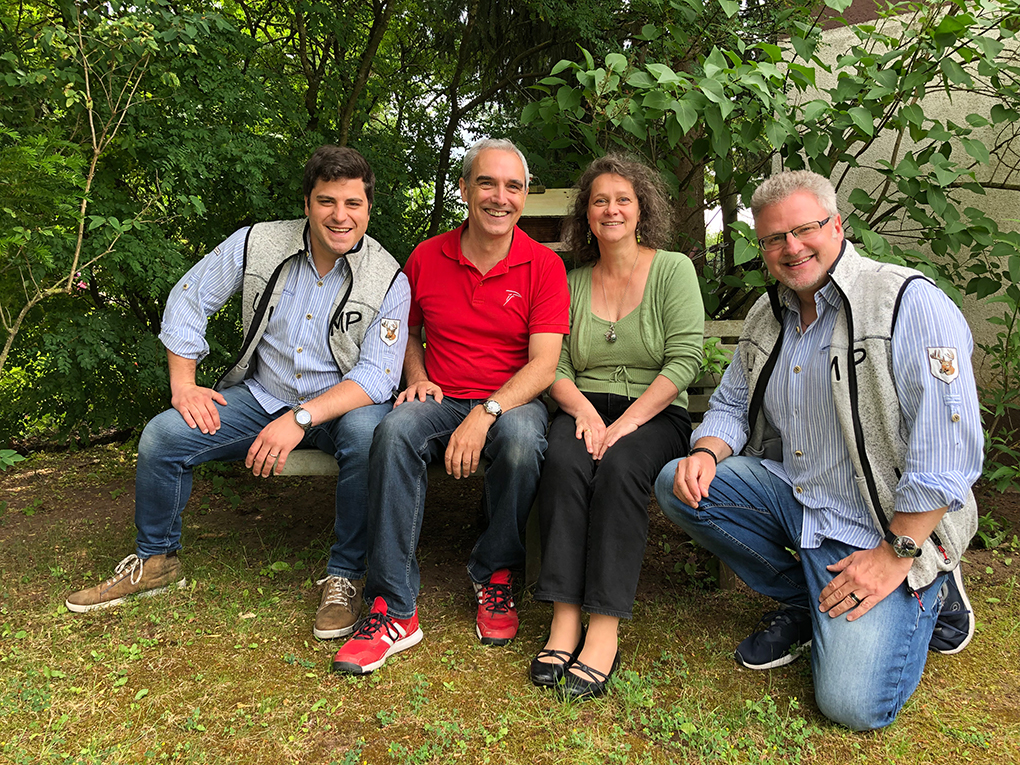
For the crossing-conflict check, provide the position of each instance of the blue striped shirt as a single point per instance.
(943, 459)
(293, 359)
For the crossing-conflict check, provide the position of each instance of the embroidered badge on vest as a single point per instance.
(388, 330)
(942, 363)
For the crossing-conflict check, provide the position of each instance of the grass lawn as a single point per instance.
(227, 671)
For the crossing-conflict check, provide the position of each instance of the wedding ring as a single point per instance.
(854, 598)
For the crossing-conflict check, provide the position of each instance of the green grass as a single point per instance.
(226, 670)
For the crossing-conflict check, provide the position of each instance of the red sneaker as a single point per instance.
(497, 620)
(376, 639)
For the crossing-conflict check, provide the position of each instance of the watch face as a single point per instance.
(493, 408)
(905, 547)
(303, 417)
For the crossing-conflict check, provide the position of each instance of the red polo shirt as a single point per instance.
(477, 327)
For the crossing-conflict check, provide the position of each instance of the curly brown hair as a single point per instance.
(654, 224)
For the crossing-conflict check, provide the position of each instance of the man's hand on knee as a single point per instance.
(272, 445)
(197, 405)
(694, 475)
(418, 391)
(864, 578)
(464, 452)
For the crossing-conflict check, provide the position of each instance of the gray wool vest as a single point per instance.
(270, 252)
(864, 393)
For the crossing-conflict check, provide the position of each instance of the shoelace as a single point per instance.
(374, 622)
(339, 591)
(137, 565)
(773, 618)
(497, 598)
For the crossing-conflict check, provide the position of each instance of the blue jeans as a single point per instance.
(169, 449)
(413, 435)
(864, 671)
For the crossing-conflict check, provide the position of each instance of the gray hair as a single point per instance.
(783, 185)
(502, 144)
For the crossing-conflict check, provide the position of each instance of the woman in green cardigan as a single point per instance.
(636, 327)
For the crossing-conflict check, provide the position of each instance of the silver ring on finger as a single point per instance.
(854, 598)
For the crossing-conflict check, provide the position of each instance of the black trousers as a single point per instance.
(594, 515)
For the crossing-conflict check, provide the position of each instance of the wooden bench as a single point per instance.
(315, 462)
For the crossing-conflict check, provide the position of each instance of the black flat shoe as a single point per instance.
(591, 685)
(547, 674)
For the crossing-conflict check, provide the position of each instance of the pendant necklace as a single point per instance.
(611, 332)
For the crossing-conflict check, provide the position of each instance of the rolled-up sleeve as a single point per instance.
(379, 364)
(202, 292)
(932, 348)
(727, 409)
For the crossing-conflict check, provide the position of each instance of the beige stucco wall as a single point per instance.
(1001, 205)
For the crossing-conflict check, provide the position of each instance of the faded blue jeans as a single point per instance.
(408, 439)
(864, 671)
(169, 449)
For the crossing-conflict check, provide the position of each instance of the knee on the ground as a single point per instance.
(857, 711)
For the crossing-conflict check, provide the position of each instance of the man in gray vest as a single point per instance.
(851, 402)
(325, 326)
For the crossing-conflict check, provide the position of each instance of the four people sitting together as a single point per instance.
(832, 471)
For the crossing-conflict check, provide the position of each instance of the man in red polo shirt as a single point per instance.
(493, 304)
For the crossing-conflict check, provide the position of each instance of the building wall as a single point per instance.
(1002, 205)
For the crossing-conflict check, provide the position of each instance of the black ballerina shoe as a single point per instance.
(590, 684)
(547, 674)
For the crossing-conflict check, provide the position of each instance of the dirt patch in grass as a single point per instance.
(227, 671)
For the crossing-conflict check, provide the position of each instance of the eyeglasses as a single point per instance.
(777, 241)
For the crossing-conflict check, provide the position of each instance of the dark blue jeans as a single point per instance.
(408, 439)
(169, 449)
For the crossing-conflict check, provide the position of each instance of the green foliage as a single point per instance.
(702, 89)
(9, 458)
(135, 137)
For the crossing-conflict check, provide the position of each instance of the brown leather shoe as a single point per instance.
(339, 608)
(132, 577)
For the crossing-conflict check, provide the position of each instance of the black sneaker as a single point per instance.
(782, 638)
(955, 625)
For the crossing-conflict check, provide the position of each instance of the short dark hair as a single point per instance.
(654, 225)
(332, 163)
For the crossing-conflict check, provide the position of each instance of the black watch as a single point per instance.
(904, 547)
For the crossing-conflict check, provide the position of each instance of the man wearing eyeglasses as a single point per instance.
(833, 470)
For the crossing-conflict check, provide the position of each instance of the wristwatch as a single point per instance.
(904, 547)
(303, 417)
(491, 406)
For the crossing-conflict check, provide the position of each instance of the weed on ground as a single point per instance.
(226, 670)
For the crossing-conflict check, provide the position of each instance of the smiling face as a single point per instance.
(801, 264)
(338, 213)
(495, 193)
(613, 210)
